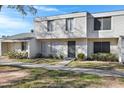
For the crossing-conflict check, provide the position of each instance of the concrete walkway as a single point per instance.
(62, 67)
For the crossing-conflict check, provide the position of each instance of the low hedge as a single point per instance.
(103, 57)
(17, 55)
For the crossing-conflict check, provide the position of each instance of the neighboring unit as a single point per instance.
(70, 34)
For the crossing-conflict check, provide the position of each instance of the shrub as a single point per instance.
(51, 56)
(104, 57)
(80, 56)
(61, 57)
(17, 55)
(56, 57)
(11, 54)
(39, 55)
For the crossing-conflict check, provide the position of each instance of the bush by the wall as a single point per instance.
(39, 55)
(61, 57)
(50, 56)
(17, 55)
(104, 57)
(80, 56)
(11, 54)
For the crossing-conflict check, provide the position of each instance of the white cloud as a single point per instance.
(12, 23)
(45, 8)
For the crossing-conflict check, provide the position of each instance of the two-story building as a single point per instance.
(71, 34)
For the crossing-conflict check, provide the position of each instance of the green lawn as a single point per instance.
(41, 60)
(98, 65)
(42, 78)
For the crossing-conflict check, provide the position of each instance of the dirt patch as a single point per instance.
(8, 77)
(112, 82)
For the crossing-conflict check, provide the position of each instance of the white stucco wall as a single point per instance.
(54, 47)
(117, 29)
(33, 48)
(81, 46)
(60, 47)
(79, 28)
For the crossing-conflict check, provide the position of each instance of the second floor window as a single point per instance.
(102, 23)
(50, 25)
(69, 24)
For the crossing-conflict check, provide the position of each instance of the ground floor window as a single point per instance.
(101, 47)
(23, 46)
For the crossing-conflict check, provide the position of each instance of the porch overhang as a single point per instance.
(14, 41)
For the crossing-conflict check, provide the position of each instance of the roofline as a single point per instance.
(109, 11)
(80, 12)
(65, 13)
(59, 15)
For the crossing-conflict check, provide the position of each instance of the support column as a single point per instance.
(0, 48)
(28, 45)
(120, 50)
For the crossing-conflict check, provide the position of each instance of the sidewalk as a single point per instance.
(65, 68)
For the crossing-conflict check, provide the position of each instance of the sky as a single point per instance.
(12, 22)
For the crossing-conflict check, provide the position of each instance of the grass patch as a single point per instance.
(40, 61)
(96, 65)
(42, 78)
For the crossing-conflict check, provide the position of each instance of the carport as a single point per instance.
(18, 43)
(13, 45)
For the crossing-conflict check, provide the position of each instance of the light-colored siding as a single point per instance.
(79, 29)
(60, 47)
(33, 48)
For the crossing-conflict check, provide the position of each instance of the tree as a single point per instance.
(23, 9)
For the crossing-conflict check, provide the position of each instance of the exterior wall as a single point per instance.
(54, 47)
(81, 46)
(79, 28)
(83, 26)
(60, 47)
(33, 48)
(118, 27)
(113, 45)
(15, 46)
(117, 21)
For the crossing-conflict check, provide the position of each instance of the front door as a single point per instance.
(71, 49)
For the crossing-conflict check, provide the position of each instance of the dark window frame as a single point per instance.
(23, 46)
(102, 23)
(101, 47)
(50, 25)
(69, 24)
